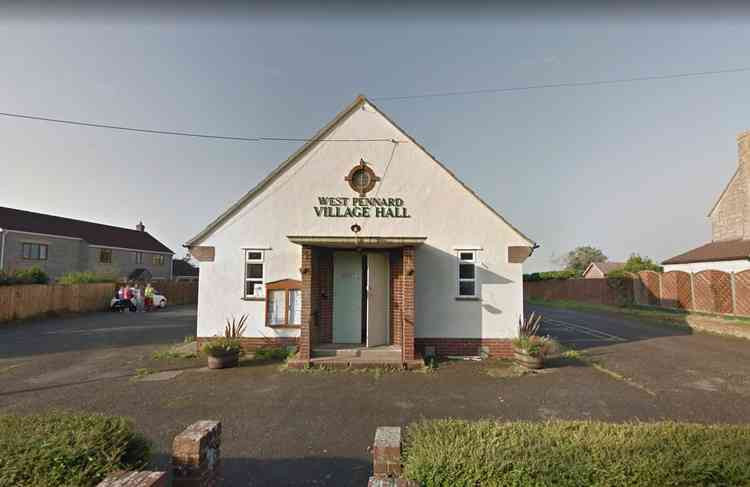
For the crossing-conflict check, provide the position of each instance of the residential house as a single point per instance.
(598, 270)
(366, 243)
(60, 245)
(729, 249)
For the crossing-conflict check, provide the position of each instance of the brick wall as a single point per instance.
(325, 286)
(397, 296)
(408, 305)
(495, 347)
(251, 344)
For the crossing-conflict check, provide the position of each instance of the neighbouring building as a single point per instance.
(183, 270)
(60, 245)
(598, 270)
(363, 239)
(729, 249)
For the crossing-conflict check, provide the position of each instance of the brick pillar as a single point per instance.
(397, 297)
(307, 272)
(386, 452)
(195, 455)
(409, 305)
(136, 479)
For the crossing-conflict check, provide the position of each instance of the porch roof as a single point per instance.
(349, 242)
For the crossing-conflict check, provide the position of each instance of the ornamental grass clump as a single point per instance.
(66, 449)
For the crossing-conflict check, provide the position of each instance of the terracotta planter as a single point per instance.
(224, 361)
(525, 360)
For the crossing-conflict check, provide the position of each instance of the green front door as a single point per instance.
(347, 297)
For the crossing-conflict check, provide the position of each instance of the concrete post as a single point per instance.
(136, 479)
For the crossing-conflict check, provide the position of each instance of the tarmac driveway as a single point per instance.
(315, 428)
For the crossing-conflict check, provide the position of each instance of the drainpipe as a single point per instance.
(2, 249)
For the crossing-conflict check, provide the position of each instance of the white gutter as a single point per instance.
(2, 249)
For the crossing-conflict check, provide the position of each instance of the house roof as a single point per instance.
(322, 133)
(714, 251)
(93, 233)
(605, 267)
(182, 268)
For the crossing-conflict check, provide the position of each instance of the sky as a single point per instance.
(632, 167)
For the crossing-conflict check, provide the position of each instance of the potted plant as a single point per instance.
(529, 349)
(224, 352)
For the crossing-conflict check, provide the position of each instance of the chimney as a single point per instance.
(743, 147)
(140, 227)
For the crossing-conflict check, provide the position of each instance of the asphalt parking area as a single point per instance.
(315, 428)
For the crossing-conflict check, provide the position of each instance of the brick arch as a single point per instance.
(713, 291)
(742, 292)
(649, 288)
(675, 290)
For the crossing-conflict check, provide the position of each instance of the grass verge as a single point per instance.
(67, 449)
(451, 452)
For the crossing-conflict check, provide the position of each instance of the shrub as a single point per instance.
(33, 275)
(67, 449)
(545, 276)
(272, 353)
(535, 345)
(84, 278)
(573, 453)
(222, 346)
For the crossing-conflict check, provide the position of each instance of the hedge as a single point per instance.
(61, 449)
(549, 275)
(574, 453)
(33, 275)
(84, 278)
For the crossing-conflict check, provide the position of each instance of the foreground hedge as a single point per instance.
(569, 453)
(67, 449)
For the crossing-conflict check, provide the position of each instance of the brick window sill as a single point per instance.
(284, 327)
(467, 298)
(253, 299)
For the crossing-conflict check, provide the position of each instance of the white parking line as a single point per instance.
(586, 330)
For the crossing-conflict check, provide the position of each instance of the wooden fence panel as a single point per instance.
(675, 290)
(713, 291)
(742, 292)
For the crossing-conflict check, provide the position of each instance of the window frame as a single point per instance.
(261, 280)
(138, 257)
(287, 286)
(158, 259)
(102, 252)
(459, 279)
(30, 246)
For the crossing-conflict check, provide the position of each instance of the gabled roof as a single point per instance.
(93, 233)
(321, 134)
(182, 268)
(605, 267)
(714, 251)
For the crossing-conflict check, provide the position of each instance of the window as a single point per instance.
(139, 257)
(105, 256)
(159, 259)
(33, 251)
(254, 274)
(467, 275)
(284, 303)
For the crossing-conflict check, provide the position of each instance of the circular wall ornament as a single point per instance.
(362, 178)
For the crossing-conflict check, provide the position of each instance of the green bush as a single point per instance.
(574, 453)
(545, 276)
(272, 353)
(84, 278)
(62, 449)
(33, 275)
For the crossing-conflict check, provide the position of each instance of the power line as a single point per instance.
(186, 134)
(561, 85)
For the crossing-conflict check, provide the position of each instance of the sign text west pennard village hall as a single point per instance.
(345, 207)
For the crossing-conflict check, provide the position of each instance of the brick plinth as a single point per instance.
(251, 344)
(136, 479)
(386, 452)
(196, 455)
(495, 347)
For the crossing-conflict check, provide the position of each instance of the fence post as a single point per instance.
(692, 292)
(661, 292)
(734, 296)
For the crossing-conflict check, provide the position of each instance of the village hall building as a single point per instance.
(362, 245)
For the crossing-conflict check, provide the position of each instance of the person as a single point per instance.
(138, 297)
(149, 292)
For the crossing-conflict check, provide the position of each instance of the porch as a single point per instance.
(357, 302)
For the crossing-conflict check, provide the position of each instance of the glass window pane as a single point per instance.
(250, 288)
(254, 271)
(43, 252)
(276, 303)
(35, 252)
(26, 251)
(466, 271)
(254, 255)
(295, 306)
(466, 255)
(466, 288)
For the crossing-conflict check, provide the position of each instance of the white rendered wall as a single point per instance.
(440, 208)
(722, 265)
